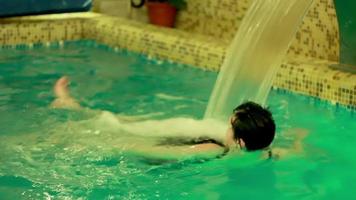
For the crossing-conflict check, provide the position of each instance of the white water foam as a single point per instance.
(171, 127)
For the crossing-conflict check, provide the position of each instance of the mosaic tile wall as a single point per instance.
(316, 78)
(217, 18)
(24, 30)
(311, 77)
(158, 42)
(317, 37)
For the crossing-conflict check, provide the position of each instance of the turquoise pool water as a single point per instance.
(57, 154)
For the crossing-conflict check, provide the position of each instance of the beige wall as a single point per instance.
(120, 8)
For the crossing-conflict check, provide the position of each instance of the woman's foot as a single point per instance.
(63, 98)
(61, 87)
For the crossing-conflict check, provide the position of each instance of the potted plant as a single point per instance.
(162, 12)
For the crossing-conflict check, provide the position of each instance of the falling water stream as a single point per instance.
(255, 54)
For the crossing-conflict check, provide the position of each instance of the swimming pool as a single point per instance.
(57, 154)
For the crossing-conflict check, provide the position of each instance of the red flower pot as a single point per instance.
(161, 14)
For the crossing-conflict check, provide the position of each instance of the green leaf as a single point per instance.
(179, 4)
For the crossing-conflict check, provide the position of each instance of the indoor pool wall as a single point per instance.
(306, 69)
(317, 37)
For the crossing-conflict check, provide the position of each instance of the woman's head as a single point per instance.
(253, 125)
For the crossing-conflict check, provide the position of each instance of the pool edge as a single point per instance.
(309, 77)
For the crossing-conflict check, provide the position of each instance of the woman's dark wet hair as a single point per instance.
(254, 125)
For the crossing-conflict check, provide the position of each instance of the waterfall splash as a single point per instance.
(255, 54)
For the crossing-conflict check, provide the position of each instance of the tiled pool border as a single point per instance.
(309, 77)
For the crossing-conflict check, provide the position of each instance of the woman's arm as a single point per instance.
(208, 150)
(296, 148)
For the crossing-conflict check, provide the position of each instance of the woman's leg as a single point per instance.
(63, 98)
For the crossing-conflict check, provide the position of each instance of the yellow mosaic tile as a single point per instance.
(317, 37)
(316, 78)
(217, 18)
(42, 28)
(37, 33)
(159, 42)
